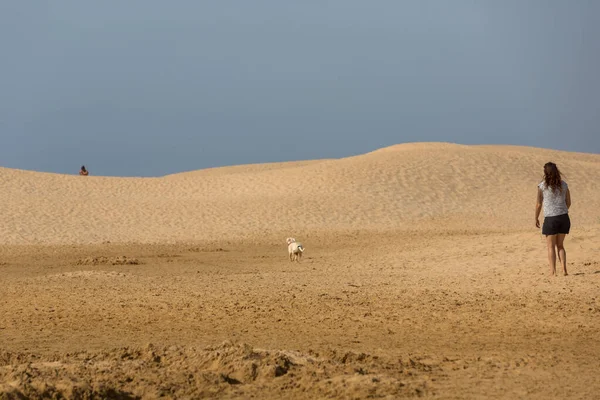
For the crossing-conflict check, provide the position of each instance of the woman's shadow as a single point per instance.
(583, 273)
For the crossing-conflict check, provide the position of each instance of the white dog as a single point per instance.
(295, 249)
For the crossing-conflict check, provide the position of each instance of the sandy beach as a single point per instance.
(423, 276)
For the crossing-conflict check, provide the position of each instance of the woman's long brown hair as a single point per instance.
(552, 177)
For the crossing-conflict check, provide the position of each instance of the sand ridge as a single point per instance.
(430, 184)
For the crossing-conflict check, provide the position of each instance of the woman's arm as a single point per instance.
(568, 199)
(538, 207)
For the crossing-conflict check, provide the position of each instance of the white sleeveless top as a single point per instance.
(555, 202)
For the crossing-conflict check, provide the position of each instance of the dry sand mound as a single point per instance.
(430, 184)
(225, 370)
(121, 260)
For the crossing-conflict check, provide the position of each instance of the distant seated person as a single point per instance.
(83, 171)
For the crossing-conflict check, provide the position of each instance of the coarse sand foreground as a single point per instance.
(423, 276)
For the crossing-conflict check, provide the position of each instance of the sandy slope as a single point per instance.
(423, 276)
(428, 183)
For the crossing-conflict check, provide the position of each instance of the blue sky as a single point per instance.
(150, 87)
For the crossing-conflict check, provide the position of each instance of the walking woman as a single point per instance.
(554, 196)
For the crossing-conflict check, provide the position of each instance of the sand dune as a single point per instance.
(423, 277)
(430, 184)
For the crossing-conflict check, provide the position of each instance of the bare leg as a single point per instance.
(551, 243)
(562, 253)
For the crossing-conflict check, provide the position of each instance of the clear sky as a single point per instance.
(151, 87)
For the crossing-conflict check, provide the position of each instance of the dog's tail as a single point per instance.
(301, 248)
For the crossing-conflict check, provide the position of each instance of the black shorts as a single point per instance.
(556, 225)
